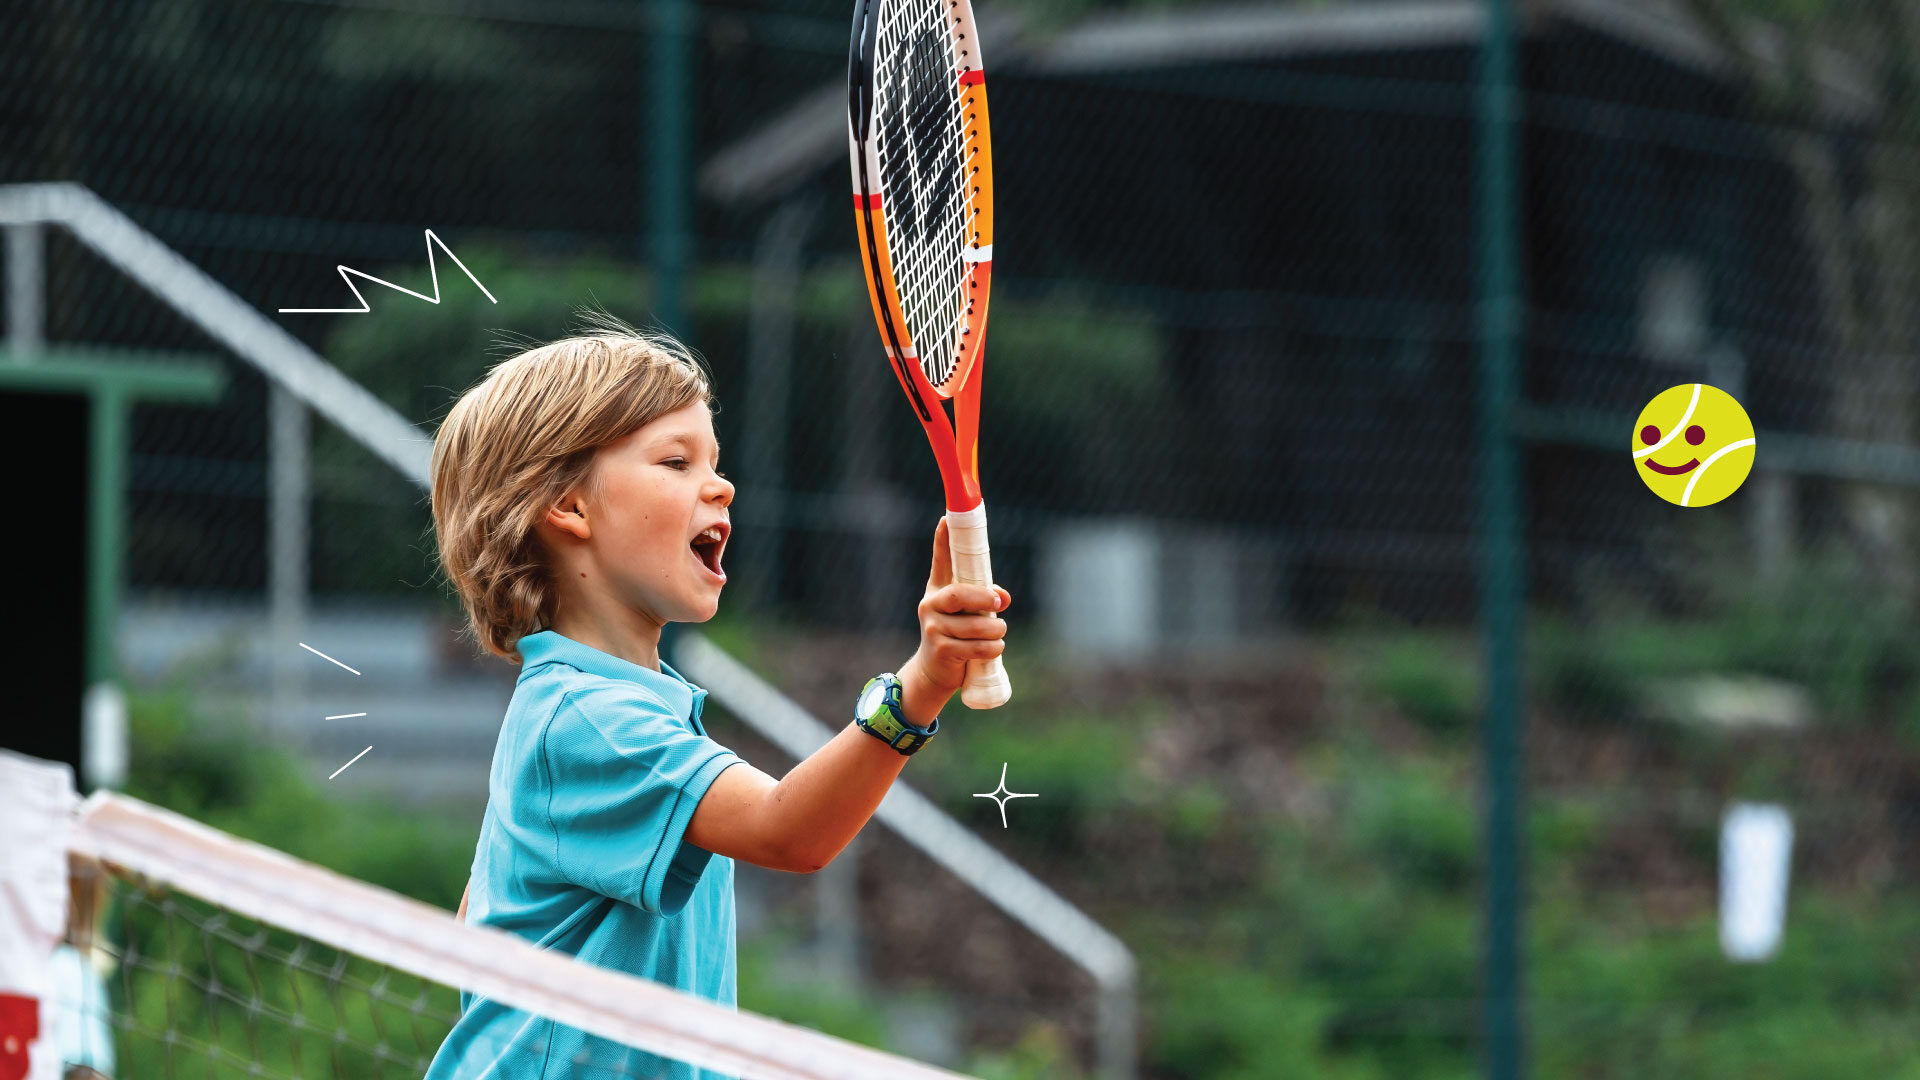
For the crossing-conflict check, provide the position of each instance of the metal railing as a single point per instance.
(302, 379)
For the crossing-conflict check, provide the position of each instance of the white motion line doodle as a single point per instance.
(324, 656)
(343, 768)
(432, 268)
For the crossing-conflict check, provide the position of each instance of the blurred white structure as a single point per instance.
(1123, 589)
(1756, 853)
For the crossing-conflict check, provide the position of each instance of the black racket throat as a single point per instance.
(866, 26)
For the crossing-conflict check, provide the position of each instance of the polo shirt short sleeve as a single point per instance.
(623, 777)
(598, 768)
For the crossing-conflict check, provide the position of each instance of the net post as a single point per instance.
(770, 354)
(104, 706)
(671, 154)
(26, 290)
(1115, 1028)
(37, 800)
(1501, 541)
(290, 482)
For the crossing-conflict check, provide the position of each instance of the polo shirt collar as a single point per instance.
(551, 646)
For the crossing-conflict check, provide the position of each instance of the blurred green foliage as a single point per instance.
(221, 996)
(1353, 948)
(213, 769)
(1426, 676)
(860, 1014)
(205, 992)
(1072, 757)
(1647, 1002)
(1826, 627)
(1342, 941)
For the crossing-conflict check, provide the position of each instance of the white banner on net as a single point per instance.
(274, 888)
(36, 806)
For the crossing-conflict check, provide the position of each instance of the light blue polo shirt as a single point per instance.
(598, 768)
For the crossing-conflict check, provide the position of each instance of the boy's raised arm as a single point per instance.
(801, 822)
(733, 820)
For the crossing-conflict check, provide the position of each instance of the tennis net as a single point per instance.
(173, 949)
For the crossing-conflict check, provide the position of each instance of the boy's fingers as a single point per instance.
(941, 575)
(964, 649)
(967, 627)
(982, 649)
(966, 599)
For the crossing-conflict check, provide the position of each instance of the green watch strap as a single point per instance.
(879, 714)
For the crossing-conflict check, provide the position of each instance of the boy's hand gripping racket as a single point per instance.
(923, 202)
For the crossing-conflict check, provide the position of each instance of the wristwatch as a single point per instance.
(878, 714)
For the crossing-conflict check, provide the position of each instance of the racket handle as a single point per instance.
(987, 685)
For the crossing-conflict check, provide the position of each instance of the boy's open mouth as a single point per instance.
(708, 545)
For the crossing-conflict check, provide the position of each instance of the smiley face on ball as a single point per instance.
(1693, 445)
(1650, 436)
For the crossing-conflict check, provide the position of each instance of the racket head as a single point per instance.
(922, 163)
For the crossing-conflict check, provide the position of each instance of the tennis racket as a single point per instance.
(923, 204)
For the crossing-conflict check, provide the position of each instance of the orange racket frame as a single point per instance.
(955, 442)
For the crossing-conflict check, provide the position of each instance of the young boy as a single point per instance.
(579, 508)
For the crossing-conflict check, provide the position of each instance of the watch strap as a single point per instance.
(888, 722)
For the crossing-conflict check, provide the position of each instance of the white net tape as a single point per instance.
(196, 953)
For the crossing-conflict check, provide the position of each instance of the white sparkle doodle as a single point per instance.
(1000, 795)
(348, 273)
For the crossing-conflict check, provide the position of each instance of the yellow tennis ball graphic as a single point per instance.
(1693, 445)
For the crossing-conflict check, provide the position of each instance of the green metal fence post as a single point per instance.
(671, 164)
(106, 532)
(670, 129)
(1502, 550)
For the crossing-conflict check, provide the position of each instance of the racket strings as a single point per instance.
(926, 177)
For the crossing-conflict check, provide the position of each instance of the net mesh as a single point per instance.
(192, 953)
(192, 988)
(922, 149)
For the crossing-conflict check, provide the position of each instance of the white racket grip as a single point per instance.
(987, 685)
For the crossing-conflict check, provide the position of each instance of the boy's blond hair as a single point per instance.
(519, 440)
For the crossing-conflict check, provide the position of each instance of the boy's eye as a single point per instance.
(675, 463)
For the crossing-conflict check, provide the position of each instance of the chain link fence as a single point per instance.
(1231, 458)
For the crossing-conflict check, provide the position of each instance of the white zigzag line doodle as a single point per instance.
(365, 307)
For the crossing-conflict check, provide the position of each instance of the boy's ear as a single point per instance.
(567, 516)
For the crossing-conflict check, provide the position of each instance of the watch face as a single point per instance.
(870, 698)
